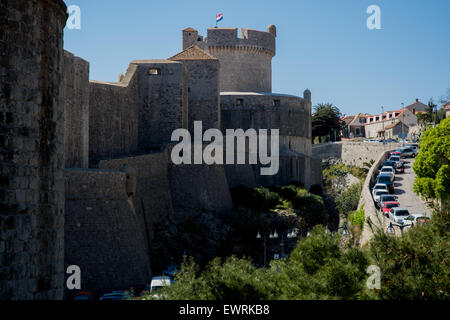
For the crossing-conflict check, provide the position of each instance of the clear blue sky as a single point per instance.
(323, 45)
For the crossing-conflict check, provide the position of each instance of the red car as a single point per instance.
(388, 206)
(395, 153)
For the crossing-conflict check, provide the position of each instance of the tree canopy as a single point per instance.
(325, 120)
(433, 161)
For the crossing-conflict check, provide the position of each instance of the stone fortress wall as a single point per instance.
(247, 58)
(31, 150)
(113, 139)
(352, 153)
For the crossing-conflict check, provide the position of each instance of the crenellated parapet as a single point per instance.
(245, 61)
(252, 40)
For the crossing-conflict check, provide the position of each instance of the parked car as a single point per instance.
(380, 186)
(376, 194)
(115, 295)
(413, 219)
(387, 206)
(388, 164)
(387, 198)
(423, 219)
(389, 171)
(158, 283)
(398, 161)
(85, 296)
(395, 153)
(398, 214)
(408, 153)
(385, 179)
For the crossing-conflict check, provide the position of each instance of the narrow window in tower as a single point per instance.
(276, 103)
(154, 71)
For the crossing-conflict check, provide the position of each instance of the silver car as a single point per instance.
(377, 193)
(398, 214)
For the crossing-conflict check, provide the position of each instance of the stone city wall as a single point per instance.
(103, 235)
(113, 118)
(31, 150)
(75, 96)
(352, 153)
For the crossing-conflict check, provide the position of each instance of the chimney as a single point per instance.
(417, 100)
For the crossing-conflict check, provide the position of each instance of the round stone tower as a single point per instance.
(245, 62)
(31, 150)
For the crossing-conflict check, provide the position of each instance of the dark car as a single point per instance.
(386, 179)
(389, 164)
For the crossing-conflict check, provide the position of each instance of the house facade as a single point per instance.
(385, 125)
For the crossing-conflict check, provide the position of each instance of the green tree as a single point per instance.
(415, 266)
(326, 120)
(348, 200)
(432, 163)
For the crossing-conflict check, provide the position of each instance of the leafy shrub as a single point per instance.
(255, 198)
(432, 163)
(415, 266)
(318, 269)
(357, 217)
(349, 199)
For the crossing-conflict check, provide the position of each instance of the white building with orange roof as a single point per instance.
(376, 125)
(447, 109)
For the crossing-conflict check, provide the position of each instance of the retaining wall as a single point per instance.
(103, 235)
(371, 211)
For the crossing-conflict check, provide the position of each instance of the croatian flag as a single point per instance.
(219, 17)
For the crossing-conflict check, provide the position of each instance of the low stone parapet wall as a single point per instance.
(373, 219)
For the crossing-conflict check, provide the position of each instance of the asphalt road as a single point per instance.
(403, 189)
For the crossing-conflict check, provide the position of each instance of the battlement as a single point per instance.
(250, 39)
(263, 41)
(245, 61)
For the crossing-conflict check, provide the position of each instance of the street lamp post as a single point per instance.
(391, 226)
(292, 234)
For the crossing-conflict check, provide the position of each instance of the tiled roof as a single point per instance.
(392, 125)
(192, 53)
(190, 29)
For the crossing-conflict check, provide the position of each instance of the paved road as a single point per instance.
(404, 191)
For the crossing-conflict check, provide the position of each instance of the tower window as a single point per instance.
(154, 71)
(239, 102)
(276, 103)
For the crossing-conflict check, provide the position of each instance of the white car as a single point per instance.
(389, 171)
(380, 186)
(398, 214)
(412, 218)
(377, 193)
(157, 284)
